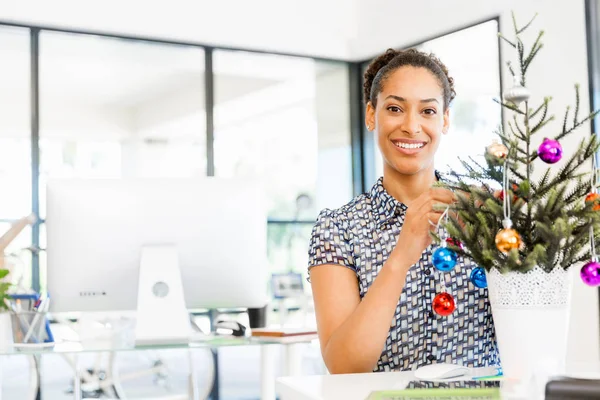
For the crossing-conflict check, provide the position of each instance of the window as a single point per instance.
(115, 108)
(15, 145)
(284, 121)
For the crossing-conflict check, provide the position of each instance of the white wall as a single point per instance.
(319, 28)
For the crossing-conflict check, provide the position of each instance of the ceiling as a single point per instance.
(337, 29)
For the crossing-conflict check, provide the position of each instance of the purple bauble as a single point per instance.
(550, 151)
(590, 273)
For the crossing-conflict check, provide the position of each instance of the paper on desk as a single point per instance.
(454, 393)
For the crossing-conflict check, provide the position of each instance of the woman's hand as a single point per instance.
(421, 218)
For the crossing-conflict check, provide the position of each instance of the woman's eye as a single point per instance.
(429, 111)
(394, 109)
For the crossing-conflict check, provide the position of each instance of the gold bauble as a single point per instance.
(497, 150)
(508, 239)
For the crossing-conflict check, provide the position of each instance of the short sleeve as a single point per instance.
(329, 243)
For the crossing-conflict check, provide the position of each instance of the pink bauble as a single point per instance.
(550, 151)
(590, 273)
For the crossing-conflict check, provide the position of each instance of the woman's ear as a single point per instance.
(446, 121)
(370, 116)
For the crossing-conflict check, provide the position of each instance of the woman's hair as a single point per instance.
(381, 68)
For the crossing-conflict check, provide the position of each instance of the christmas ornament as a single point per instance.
(455, 243)
(444, 259)
(443, 304)
(497, 150)
(517, 94)
(590, 273)
(550, 151)
(595, 199)
(499, 194)
(478, 277)
(508, 239)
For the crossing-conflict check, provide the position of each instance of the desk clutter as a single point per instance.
(459, 390)
(283, 332)
(28, 318)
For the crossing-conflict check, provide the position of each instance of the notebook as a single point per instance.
(282, 332)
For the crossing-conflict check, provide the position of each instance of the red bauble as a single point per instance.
(593, 198)
(455, 243)
(443, 304)
(499, 194)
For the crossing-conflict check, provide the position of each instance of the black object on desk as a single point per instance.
(572, 388)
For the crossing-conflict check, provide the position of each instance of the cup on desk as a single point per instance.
(30, 328)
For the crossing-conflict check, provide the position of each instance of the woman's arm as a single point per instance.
(353, 333)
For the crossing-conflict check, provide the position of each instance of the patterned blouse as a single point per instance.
(360, 236)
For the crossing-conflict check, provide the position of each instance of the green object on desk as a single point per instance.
(438, 393)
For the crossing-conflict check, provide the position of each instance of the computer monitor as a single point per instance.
(113, 244)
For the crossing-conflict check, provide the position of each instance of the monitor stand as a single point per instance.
(162, 317)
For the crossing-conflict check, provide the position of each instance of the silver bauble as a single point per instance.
(517, 94)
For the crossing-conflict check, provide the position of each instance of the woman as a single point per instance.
(370, 261)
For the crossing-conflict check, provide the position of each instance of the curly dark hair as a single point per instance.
(381, 68)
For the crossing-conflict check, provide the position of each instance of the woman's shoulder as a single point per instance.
(348, 211)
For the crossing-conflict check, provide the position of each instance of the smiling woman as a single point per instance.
(370, 261)
(408, 119)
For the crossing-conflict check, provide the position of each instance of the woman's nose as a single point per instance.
(411, 124)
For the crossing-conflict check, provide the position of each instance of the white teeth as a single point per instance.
(410, 145)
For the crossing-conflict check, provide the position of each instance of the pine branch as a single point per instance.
(564, 128)
(501, 36)
(514, 21)
(541, 124)
(580, 190)
(531, 57)
(510, 106)
(510, 68)
(543, 181)
(521, 151)
(549, 213)
(544, 107)
(526, 25)
(516, 173)
(536, 44)
(577, 125)
(572, 164)
(521, 133)
(576, 104)
(516, 133)
(521, 51)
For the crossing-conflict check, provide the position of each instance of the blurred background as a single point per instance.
(260, 89)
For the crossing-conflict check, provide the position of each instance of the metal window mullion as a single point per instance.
(35, 155)
(356, 128)
(209, 105)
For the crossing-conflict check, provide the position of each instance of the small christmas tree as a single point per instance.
(545, 221)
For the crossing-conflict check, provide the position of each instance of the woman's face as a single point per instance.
(409, 119)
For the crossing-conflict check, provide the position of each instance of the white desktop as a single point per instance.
(158, 246)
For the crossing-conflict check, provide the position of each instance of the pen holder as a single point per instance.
(30, 328)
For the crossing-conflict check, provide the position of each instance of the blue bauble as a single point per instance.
(478, 277)
(444, 259)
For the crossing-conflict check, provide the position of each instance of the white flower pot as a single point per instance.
(6, 333)
(531, 316)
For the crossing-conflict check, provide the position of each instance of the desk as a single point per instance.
(344, 386)
(115, 346)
